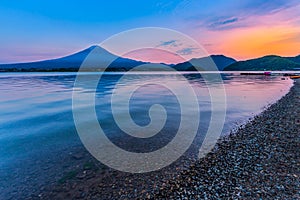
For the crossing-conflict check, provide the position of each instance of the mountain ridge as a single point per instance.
(221, 61)
(73, 62)
(269, 63)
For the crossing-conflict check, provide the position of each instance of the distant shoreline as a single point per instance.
(96, 71)
(106, 61)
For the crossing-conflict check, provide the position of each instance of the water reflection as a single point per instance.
(37, 131)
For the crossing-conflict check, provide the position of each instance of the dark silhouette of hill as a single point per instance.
(295, 59)
(269, 63)
(204, 63)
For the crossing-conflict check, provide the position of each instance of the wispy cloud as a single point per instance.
(227, 23)
(172, 43)
(179, 48)
(287, 38)
(266, 7)
(242, 14)
(187, 51)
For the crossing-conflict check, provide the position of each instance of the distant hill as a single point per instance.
(74, 61)
(270, 63)
(295, 59)
(220, 61)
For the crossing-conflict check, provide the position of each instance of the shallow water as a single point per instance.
(37, 130)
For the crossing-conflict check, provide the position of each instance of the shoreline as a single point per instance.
(232, 170)
(260, 160)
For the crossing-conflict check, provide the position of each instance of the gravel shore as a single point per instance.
(260, 161)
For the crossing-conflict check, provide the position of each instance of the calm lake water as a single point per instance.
(38, 134)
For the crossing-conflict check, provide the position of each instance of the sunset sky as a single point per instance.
(35, 30)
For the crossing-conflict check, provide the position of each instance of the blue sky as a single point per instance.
(35, 30)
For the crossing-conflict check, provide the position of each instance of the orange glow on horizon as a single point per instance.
(240, 44)
(260, 41)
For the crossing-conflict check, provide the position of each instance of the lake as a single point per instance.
(38, 133)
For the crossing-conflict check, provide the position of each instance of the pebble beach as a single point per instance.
(260, 161)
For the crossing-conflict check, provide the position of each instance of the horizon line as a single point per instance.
(95, 45)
